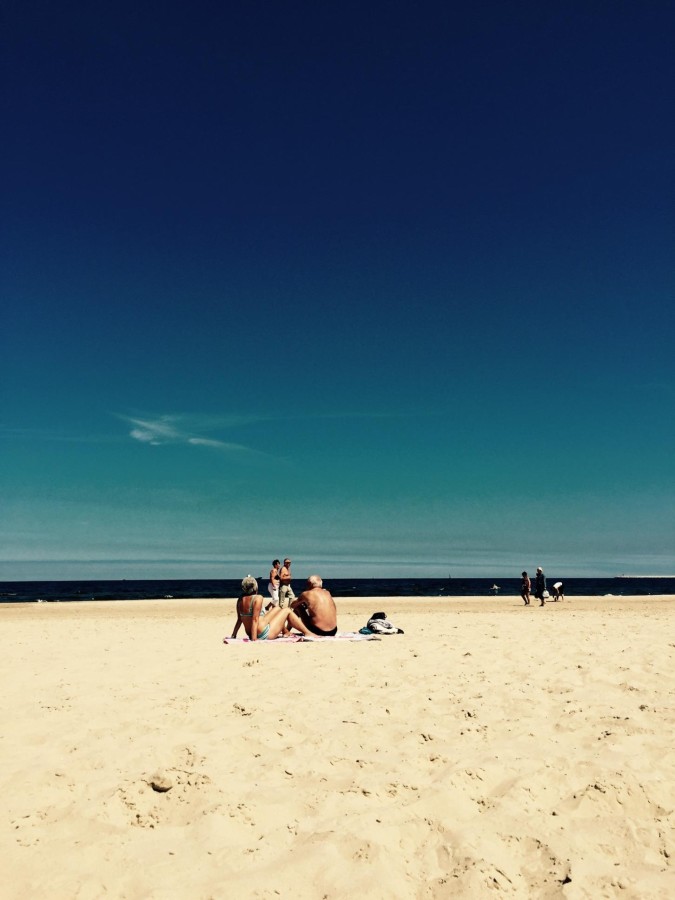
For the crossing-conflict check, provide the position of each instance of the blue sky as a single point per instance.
(387, 288)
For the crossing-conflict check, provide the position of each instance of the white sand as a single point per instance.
(492, 749)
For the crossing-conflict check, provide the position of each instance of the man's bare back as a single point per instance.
(314, 611)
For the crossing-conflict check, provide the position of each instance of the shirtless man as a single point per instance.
(526, 588)
(286, 595)
(314, 611)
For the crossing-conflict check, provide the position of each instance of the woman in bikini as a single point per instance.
(275, 581)
(258, 626)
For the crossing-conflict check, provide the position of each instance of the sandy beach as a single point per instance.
(491, 749)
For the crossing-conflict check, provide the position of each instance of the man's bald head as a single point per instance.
(315, 581)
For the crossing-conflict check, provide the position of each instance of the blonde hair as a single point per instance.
(249, 586)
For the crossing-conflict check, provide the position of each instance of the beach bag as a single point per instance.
(546, 595)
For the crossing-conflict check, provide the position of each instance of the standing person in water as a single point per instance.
(286, 595)
(258, 626)
(526, 588)
(273, 586)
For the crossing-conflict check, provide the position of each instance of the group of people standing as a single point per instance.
(279, 587)
(312, 613)
(540, 591)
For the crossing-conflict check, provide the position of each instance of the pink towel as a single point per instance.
(305, 638)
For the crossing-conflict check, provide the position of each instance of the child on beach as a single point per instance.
(525, 589)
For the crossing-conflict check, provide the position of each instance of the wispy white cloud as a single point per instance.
(190, 429)
(223, 445)
(206, 442)
(183, 429)
(36, 434)
(175, 429)
(193, 429)
(155, 431)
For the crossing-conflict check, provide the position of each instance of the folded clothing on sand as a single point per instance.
(378, 623)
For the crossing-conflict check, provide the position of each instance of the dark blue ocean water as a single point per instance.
(74, 591)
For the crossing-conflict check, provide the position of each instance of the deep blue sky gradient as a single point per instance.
(386, 287)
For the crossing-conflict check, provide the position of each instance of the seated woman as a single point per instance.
(258, 626)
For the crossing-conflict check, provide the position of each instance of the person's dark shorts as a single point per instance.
(319, 632)
(307, 622)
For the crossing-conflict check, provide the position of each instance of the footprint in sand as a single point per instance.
(175, 795)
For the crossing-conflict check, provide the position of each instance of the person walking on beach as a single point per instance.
(286, 595)
(526, 588)
(540, 586)
(314, 611)
(273, 586)
(258, 626)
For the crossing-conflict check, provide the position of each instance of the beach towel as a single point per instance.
(307, 639)
(341, 636)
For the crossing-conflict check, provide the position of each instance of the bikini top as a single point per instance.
(246, 615)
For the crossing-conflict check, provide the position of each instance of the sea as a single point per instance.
(202, 589)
